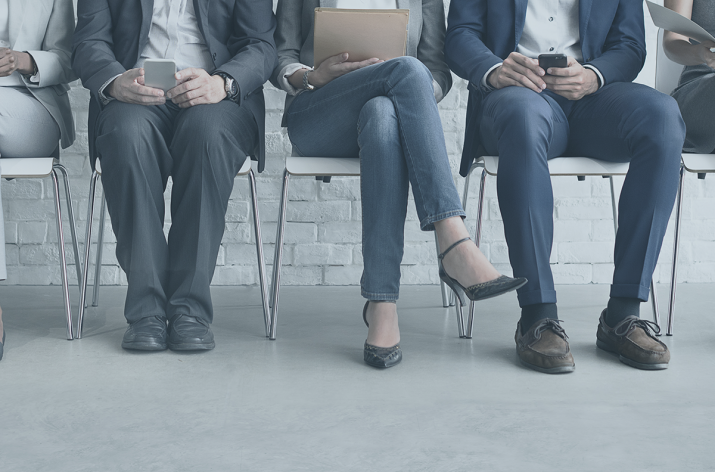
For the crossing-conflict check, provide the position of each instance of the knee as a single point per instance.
(658, 121)
(378, 116)
(521, 113)
(409, 69)
(124, 129)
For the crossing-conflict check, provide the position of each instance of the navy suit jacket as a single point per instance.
(111, 34)
(482, 33)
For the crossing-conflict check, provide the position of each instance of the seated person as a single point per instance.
(35, 114)
(199, 133)
(386, 114)
(527, 115)
(696, 90)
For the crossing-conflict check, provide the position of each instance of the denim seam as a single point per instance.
(430, 220)
(379, 296)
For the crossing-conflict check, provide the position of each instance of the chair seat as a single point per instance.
(328, 166)
(700, 163)
(26, 168)
(245, 169)
(569, 166)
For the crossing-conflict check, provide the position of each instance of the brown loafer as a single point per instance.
(544, 347)
(633, 339)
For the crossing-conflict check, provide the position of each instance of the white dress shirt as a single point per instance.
(14, 79)
(174, 34)
(551, 27)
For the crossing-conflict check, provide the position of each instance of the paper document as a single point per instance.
(669, 20)
(363, 34)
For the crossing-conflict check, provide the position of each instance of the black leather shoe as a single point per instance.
(188, 333)
(380, 357)
(147, 334)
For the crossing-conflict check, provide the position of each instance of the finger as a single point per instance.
(521, 70)
(143, 90)
(202, 100)
(145, 100)
(183, 88)
(522, 80)
(191, 95)
(188, 74)
(556, 80)
(527, 62)
(337, 59)
(134, 74)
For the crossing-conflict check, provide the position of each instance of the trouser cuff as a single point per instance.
(640, 292)
(536, 296)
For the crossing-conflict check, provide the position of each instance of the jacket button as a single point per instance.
(214, 56)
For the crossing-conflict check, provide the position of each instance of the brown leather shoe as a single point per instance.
(633, 339)
(544, 348)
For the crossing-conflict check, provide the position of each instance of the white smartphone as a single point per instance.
(159, 73)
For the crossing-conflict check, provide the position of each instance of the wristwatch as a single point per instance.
(230, 86)
(306, 84)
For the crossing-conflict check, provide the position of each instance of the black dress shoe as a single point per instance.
(147, 334)
(188, 333)
(380, 357)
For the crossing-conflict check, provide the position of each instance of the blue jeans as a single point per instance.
(622, 122)
(387, 115)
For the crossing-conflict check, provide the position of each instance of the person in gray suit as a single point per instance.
(385, 113)
(199, 133)
(35, 114)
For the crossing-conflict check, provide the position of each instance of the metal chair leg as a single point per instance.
(259, 253)
(70, 214)
(63, 260)
(654, 302)
(676, 248)
(100, 248)
(278, 257)
(87, 247)
(477, 241)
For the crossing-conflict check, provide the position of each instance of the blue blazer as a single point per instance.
(111, 34)
(482, 33)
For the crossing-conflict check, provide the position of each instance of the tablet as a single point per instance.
(363, 34)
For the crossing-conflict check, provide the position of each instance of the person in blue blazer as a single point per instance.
(590, 107)
(199, 133)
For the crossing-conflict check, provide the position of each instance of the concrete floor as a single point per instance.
(306, 402)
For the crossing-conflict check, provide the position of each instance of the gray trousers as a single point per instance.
(202, 148)
(26, 130)
(695, 99)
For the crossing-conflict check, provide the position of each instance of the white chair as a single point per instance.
(667, 75)
(38, 168)
(579, 167)
(246, 170)
(323, 168)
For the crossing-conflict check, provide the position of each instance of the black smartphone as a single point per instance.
(552, 60)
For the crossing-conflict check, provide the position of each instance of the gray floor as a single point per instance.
(306, 402)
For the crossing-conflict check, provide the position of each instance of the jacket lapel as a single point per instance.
(584, 13)
(519, 20)
(147, 13)
(15, 19)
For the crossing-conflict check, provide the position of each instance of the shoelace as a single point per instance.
(630, 323)
(552, 324)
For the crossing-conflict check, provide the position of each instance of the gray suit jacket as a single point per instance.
(44, 29)
(425, 36)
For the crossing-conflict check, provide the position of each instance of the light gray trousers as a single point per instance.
(26, 130)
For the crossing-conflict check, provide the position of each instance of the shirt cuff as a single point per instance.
(601, 82)
(286, 72)
(485, 82)
(438, 93)
(102, 97)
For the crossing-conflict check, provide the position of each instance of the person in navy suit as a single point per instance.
(527, 115)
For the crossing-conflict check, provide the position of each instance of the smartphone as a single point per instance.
(159, 73)
(552, 60)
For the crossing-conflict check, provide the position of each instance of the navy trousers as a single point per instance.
(621, 122)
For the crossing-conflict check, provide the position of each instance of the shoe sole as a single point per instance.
(143, 346)
(192, 346)
(638, 365)
(566, 369)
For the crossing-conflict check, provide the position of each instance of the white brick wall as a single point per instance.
(323, 231)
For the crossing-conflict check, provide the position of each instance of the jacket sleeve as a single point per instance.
(465, 50)
(288, 36)
(430, 50)
(624, 48)
(93, 58)
(53, 61)
(252, 38)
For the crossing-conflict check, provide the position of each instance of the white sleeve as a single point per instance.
(286, 72)
(598, 73)
(485, 83)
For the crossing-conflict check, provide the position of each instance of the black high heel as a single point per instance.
(3, 342)
(380, 357)
(493, 288)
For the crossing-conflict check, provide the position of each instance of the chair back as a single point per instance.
(667, 72)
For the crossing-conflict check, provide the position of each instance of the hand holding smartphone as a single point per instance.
(160, 73)
(547, 61)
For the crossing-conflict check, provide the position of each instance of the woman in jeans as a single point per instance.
(35, 114)
(386, 114)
